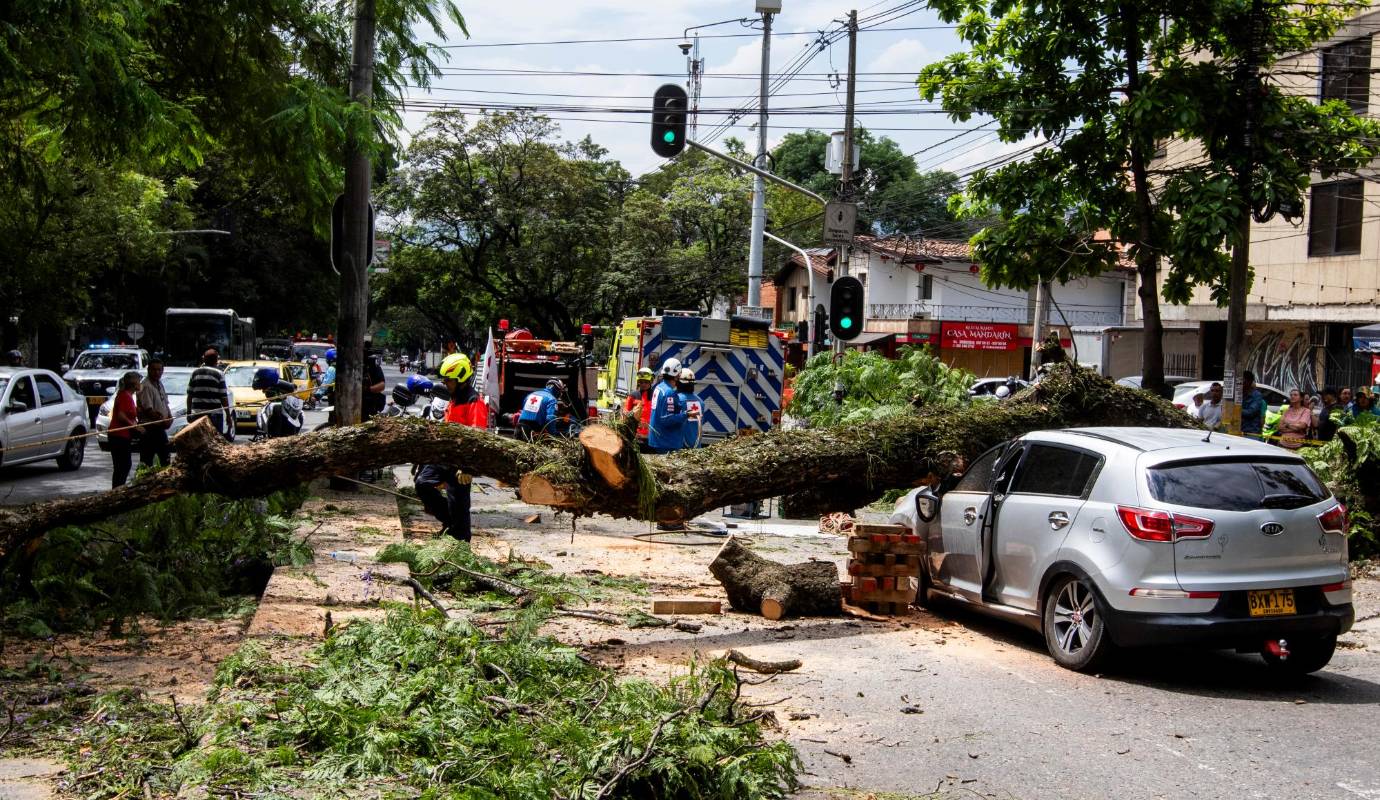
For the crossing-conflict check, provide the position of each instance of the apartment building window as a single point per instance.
(1334, 218)
(924, 287)
(1346, 74)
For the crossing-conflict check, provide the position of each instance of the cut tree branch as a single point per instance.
(841, 468)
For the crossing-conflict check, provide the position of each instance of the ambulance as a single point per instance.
(739, 365)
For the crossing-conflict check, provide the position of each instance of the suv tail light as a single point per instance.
(1150, 525)
(1334, 520)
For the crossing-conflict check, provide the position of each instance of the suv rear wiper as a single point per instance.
(1287, 500)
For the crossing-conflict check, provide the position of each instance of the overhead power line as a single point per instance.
(628, 39)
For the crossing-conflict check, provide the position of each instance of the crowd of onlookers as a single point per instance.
(1304, 418)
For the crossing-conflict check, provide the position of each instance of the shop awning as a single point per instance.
(1367, 338)
(870, 339)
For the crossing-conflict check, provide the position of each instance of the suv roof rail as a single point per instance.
(1104, 437)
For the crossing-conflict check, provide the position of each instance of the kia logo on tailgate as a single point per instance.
(1272, 529)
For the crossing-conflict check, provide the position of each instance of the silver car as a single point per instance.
(1121, 537)
(40, 418)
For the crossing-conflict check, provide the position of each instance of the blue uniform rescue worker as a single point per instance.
(694, 409)
(539, 409)
(466, 407)
(664, 432)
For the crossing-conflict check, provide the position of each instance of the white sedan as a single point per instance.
(40, 418)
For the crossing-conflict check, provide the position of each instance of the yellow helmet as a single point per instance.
(456, 366)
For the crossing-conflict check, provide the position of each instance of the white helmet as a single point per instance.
(1003, 392)
(687, 374)
(670, 367)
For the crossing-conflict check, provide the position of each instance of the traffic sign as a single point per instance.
(135, 331)
(839, 221)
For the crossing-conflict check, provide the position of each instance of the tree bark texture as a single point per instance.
(760, 586)
(841, 469)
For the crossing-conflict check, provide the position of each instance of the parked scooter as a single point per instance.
(282, 414)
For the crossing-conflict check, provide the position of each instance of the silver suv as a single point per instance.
(1107, 537)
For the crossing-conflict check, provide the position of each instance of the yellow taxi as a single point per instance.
(239, 378)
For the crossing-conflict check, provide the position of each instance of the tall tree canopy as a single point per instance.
(1105, 81)
(100, 96)
(498, 217)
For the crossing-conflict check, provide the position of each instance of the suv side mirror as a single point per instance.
(16, 407)
(926, 504)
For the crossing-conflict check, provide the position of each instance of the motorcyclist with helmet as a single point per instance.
(466, 407)
(325, 389)
(281, 414)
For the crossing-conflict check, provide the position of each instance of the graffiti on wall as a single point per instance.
(1283, 359)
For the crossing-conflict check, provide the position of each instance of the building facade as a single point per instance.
(1316, 273)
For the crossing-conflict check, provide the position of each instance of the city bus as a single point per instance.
(190, 332)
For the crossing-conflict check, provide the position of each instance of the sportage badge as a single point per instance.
(1272, 529)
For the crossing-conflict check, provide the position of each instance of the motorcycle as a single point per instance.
(281, 416)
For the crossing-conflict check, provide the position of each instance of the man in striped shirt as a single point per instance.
(207, 395)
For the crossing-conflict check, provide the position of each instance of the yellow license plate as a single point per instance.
(96, 401)
(1271, 602)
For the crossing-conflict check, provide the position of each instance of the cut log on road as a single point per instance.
(760, 586)
(842, 468)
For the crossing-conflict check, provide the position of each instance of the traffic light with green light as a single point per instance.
(669, 108)
(846, 308)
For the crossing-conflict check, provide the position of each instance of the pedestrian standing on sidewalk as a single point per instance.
(1329, 417)
(124, 423)
(156, 416)
(1296, 423)
(207, 394)
(1253, 407)
(1211, 412)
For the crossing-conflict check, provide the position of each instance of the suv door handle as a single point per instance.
(1057, 520)
(970, 515)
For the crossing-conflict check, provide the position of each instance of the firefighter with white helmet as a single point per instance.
(466, 407)
(694, 409)
(664, 432)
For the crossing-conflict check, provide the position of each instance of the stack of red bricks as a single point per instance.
(883, 560)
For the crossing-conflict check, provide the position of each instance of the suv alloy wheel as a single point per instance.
(1073, 626)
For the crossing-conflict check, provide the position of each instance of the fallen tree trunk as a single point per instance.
(841, 468)
(757, 585)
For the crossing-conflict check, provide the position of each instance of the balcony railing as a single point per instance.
(972, 313)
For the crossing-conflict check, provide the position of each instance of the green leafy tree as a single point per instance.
(1105, 81)
(502, 219)
(883, 167)
(139, 87)
(683, 240)
(876, 387)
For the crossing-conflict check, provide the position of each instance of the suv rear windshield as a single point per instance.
(1227, 485)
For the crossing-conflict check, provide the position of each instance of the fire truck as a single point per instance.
(525, 363)
(739, 365)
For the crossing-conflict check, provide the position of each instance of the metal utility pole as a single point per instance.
(759, 187)
(354, 273)
(1249, 77)
(694, 84)
(846, 178)
(1037, 335)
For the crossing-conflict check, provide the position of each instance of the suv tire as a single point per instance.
(1073, 626)
(1306, 655)
(74, 453)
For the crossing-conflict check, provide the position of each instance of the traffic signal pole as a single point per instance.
(759, 187)
(845, 192)
(810, 274)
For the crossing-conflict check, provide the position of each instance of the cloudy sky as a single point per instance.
(499, 65)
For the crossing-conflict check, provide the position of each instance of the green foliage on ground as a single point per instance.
(1329, 461)
(436, 565)
(876, 387)
(419, 706)
(189, 555)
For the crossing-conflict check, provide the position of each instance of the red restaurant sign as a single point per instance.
(979, 336)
